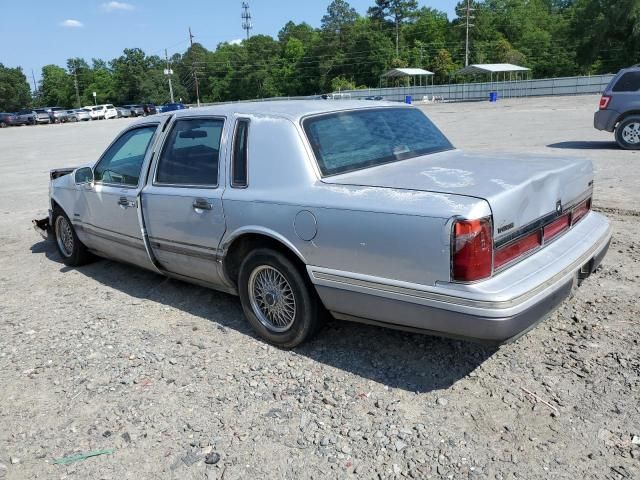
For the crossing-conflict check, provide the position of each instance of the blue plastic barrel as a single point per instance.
(408, 99)
(493, 96)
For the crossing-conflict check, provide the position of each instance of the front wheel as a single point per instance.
(628, 133)
(277, 299)
(72, 250)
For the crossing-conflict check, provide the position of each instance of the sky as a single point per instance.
(40, 32)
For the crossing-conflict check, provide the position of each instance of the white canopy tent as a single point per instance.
(409, 73)
(494, 70)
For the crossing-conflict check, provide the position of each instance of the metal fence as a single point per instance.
(465, 92)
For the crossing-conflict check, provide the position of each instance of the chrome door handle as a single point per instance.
(202, 204)
(125, 202)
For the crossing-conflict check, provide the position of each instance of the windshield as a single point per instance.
(347, 141)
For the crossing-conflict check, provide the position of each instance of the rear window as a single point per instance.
(347, 141)
(628, 82)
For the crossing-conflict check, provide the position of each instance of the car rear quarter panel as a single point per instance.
(382, 232)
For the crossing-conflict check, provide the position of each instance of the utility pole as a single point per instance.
(468, 17)
(247, 25)
(75, 82)
(35, 86)
(168, 72)
(195, 73)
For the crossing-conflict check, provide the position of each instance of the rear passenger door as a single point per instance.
(182, 204)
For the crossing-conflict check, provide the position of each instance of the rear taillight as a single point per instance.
(472, 250)
(604, 102)
(556, 227)
(580, 211)
(516, 249)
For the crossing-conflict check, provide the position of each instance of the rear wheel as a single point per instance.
(3, 125)
(72, 250)
(277, 299)
(628, 133)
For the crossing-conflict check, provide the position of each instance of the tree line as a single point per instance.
(348, 50)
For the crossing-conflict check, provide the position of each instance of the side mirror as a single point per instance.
(84, 175)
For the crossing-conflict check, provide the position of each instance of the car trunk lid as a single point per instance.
(520, 189)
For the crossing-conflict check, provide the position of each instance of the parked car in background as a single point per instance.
(26, 117)
(109, 111)
(82, 114)
(136, 110)
(619, 109)
(170, 107)
(364, 209)
(96, 112)
(58, 114)
(123, 112)
(149, 109)
(7, 120)
(71, 116)
(42, 115)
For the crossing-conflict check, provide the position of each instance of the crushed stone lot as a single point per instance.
(167, 380)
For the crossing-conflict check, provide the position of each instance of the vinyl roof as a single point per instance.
(406, 72)
(484, 68)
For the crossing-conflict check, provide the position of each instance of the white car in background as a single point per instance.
(101, 112)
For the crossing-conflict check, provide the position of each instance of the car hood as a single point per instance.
(519, 188)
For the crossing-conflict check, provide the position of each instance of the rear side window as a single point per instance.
(347, 141)
(240, 153)
(191, 153)
(628, 82)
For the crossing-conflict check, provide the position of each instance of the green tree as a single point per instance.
(56, 87)
(396, 10)
(14, 89)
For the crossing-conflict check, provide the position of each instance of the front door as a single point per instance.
(183, 204)
(111, 223)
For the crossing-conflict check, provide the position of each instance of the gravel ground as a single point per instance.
(170, 379)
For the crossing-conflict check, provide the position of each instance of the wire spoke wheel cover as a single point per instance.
(64, 236)
(631, 133)
(272, 298)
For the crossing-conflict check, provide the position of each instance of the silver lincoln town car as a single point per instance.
(367, 212)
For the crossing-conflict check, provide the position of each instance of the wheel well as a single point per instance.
(242, 245)
(627, 114)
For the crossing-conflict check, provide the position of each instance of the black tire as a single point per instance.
(307, 318)
(75, 253)
(623, 131)
(3, 125)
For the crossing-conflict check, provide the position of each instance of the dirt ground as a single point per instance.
(161, 375)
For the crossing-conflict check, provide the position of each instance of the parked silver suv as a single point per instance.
(620, 108)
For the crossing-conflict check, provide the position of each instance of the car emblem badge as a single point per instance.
(559, 207)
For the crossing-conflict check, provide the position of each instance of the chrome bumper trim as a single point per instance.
(436, 294)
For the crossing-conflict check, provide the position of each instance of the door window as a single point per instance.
(191, 153)
(122, 162)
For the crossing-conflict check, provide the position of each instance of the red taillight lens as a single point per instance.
(604, 102)
(516, 249)
(580, 211)
(472, 250)
(556, 227)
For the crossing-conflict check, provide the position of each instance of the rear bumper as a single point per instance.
(605, 120)
(486, 311)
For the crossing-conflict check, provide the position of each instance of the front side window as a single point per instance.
(628, 82)
(347, 141)
(191, 153)
(240, 153)
(122, 162)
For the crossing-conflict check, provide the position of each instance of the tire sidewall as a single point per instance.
(78, 256)
(620, 141)
(306, 317)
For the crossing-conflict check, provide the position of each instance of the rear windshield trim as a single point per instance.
(379, 162)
